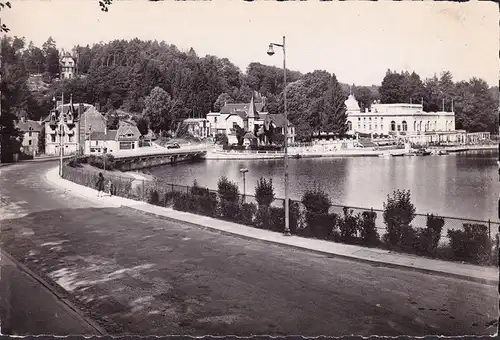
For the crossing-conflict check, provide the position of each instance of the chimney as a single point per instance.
(97, 107)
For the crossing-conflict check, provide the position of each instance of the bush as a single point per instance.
(367, 230)
(206, 201)
(471, 244)
(264, 192)
(316, 201)
(399, 212)
(227, 190)
(320, 225)
(229, 210)
(247, 213)
(154, 197)
(348, 226)
(426, 241)
(170, 197)
(98, 161)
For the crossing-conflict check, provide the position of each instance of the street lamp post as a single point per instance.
(244, 171)
(271, 52)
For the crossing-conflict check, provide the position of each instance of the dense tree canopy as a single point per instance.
(123, 74)
(14, 95)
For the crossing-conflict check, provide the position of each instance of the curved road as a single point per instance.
(134, 273)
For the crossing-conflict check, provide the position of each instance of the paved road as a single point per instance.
(137, 274)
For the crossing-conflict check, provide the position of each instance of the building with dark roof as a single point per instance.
(68, 66)
(78, 121)
(125, 138)
(31, 132)
(251, 117)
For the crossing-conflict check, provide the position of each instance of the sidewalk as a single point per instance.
(29, 306)
(487, 275)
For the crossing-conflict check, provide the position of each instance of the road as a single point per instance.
(134, 273)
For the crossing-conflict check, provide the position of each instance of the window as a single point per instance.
(29, 142)
(53, 138)
(381, 126)
(393, 126)
(399, 127)
(215, 120)
(29, 134)
(405, 126)
(364, 126)
(370, 126)
(349, 125)
(414, 126)
(376, 127)
(96, 143)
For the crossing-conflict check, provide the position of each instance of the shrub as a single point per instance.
(154, 197)
(367, 229)
(320, 225)
(316, 201)
(227, 190)
(471, 244)
(264, 192)
(206, 201)
(247, 213)
(426, 241)
(348, 225)
(399, 212)
(184, 202)
(98, 161)
(229, 210)
(262, 218)
(170, 197)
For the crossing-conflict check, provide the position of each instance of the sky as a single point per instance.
(356, 40)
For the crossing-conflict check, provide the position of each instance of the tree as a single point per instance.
(113, 120)
(335, 108)
(34, 59)
(51, 57)
(392, 88)
(142, 125)
(222, 99)
(159, 110)
(13, 95)
(364, 97)
(476, 109)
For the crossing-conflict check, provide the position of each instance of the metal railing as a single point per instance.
(141, 189)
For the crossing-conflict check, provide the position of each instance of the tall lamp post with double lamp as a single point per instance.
(271, 52)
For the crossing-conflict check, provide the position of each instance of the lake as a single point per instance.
(456, 185)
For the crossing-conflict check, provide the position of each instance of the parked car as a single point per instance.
(173, 146)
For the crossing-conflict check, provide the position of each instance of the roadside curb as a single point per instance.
(71, 308)
(371, 262)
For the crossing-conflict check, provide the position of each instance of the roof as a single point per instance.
(230, 108)
(110, 135)
(195, 120)
(249, 135)
(67, 107)
(277, 119)
(29, 125)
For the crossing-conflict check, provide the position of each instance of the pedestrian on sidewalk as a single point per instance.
(100, 184)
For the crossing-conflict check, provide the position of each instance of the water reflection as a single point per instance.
(462, 185)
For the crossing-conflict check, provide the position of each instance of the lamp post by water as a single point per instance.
(244, 171)
(271, 52)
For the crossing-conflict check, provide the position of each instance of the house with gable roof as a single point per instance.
(78, 122)
(31, 131)
(126, 137)
(68, 66)
(252, 117)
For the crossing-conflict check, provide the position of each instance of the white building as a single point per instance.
(396, 119)
(125, 138)
(251, 117)
(68, 66)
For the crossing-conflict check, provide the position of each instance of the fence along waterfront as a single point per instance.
(140, 189)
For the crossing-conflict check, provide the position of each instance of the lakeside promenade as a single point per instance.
(319, 151)
(111, 262)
